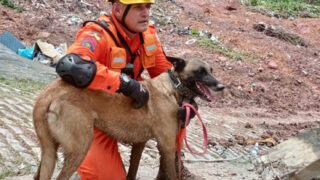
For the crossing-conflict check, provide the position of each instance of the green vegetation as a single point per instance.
(6, 173)
(286, 8)
(11, 5)
(230, 53)
(25, 85)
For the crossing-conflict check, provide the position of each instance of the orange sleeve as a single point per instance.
(162, 64)
(91, 44)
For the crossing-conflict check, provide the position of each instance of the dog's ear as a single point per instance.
(177, 63)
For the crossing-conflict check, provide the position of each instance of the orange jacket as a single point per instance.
(93, 42)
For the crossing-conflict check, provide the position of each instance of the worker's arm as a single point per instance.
(80, 68)
(91, 45)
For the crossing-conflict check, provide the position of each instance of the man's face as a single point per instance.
(137, 18)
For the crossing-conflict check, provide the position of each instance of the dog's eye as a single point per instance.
(202, 71)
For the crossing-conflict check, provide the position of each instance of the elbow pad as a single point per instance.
(76, 71)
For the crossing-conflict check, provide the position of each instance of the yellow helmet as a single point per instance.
(133, 1)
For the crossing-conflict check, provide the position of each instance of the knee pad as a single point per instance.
(76, 71)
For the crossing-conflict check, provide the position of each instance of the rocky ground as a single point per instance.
(273, 82)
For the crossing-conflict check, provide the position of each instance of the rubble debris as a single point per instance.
(279, 33)
(47, 54)
(300, 156)
(269, 141)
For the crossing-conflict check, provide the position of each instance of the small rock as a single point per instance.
(222, 58)
(272, 65)
(297, 82)
(305, 72)
(233, 174)
(276, 78)
(44, 35)
(270, 54)
(250, 167)
(230, 8)
(260, 69)
(261, 26)
(251, 74)
(248, 125)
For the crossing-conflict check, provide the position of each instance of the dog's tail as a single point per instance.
(47, 143)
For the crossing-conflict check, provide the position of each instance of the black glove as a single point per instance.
(182, 111)
(132, 88)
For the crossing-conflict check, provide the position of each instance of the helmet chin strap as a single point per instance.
(122, 22)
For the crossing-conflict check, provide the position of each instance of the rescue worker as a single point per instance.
(110, 54)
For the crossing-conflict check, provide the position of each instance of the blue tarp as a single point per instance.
(11, 42)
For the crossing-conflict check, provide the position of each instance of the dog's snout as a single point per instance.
(220, 87)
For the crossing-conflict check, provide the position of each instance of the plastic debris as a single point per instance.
(190, 41)
(214, 39)
(267, 140)
(255, 150)
(43, 59)
(102, 13)
(27, 53)
(75, 20)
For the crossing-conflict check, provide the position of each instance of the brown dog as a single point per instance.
(66, 116)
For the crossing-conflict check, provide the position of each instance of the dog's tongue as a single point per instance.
(206, 91)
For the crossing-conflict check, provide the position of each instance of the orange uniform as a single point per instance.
(93, 42)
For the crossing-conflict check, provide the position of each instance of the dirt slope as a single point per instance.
(274, 92)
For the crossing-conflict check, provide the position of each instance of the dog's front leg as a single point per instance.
(167, 169)
(135, 157)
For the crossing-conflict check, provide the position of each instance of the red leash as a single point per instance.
(205, 136)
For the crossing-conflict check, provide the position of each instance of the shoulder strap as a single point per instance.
(105, 25)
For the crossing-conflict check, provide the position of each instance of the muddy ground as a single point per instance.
(273, 86)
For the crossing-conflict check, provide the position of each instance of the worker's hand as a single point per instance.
(182, 111)
(132, 88)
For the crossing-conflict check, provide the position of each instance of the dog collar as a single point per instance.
(181, 88)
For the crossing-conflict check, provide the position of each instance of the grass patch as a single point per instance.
(286, 8)
(230, 53)
(11, 5)
(6, 173)
(23, 84)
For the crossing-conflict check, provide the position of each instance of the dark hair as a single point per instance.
(113, 1)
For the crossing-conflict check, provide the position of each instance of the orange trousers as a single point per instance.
(103, 161)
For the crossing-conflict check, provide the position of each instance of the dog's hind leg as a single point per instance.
(48, 160)
(47, 143)
(74, 153)
(135, 157)
(74, 131)
(72, 161)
